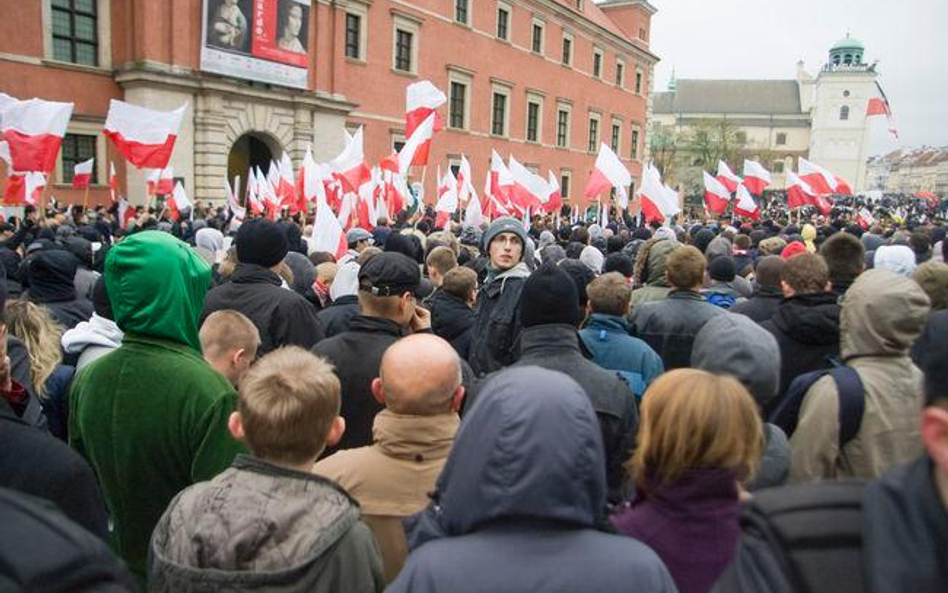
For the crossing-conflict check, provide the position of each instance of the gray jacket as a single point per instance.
(259, 527)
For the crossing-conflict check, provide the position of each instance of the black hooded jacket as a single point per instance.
(452, 320)
(762, 305)
(51, 275)
(336, 317)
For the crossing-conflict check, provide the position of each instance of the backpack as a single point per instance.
(852, 401)
(812, 534)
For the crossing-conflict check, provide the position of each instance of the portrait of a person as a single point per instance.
(229, 25)
(290, 27)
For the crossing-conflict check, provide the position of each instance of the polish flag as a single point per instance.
(390, 163)
(312, 184)
(24, 188)
(422, 99)
(473, 215)
(113, 182)
(257, 206)
(125, 213)
(151, 180)
(165, 183)
(286, 188)
(416, 148)
(178, 202)
(756, 178)
(5, 154)
(465, 188)
(82, 174)
(880, 106)
(349, 167)
(447, 199)
(555, 202)
(799, 192)
(233, 204)
(528, 190)
(609, 172)
(347, 209)
(745, 205)
(657, 201)
(328, 234)
(716, 196)
(5, 101)
(398, 193)
(501, 181)
(145, 137)
(865, 218)
(266, 191)
(821, 180)
(727, 177)
(34, 130)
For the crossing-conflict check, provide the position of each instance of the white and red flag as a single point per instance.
(528, 190)
(349, 168)
(422, 100)
(555, 201)
(34, 131)
(24, 188)
(328, 234)
(178, 202)
(865, 218)
(5, 101)
(716, 196)
(145, 137)
(257, 207)
(311, 180)
(417, 145)
(286, 188)
(727, 177)
(113, 182)
(880, 106)
(447, 198)
(821, 180)
(744, 204)
(756, 178)
(82, 174)
(609, 172)
(125, 213)
(473, 214)
(165, 183)
(233, 204)
(800, 193)
(465, 187)
(657, 201)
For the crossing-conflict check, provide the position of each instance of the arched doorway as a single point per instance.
(253, 149)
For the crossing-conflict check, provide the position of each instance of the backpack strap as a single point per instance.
(787, 413)
(852, 402)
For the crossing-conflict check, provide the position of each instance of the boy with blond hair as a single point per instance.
(267, 523)
(229, 342)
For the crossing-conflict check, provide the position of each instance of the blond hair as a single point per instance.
(227, 330)
(42, 335)
(442, 259)
(692, 419)
(609, 294)
(288, 402)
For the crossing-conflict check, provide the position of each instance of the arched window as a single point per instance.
(836, 60)
(848, 59)
(844, 113)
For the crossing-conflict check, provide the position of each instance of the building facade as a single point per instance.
(922, 170)
(822, 119)
(545, 80)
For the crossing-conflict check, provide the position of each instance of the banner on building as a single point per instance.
(261, 40)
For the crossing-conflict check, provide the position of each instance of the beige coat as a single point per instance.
(392, 478)
(882, 314)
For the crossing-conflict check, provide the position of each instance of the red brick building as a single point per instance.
(545, 80)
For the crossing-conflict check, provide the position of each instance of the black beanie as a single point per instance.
(100, 299)
(722, 269)
(261, 242)
(549, 296)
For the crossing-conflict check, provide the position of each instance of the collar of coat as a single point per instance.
(254, 274)
(417, 438)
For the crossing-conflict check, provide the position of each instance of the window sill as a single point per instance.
(566, 65)
(462, 25)
(404, 73)
(502, 136)
(76, 67)
(502, 40)
(561, 148)
(534, 142)
(357, 61)
(454, 129)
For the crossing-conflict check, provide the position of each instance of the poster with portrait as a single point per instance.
(261, 40)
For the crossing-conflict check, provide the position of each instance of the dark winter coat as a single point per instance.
(451, 319)
(669, 326)
(281, 316)
(34, 462)
(520, 505)
(335, 318)
(43, 550)
(607, 338)
(497, 322)
(51, 276)
(762, 305)
(807, 331)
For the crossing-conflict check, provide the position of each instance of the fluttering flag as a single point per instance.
(727, 177)
(328, 234)
(286, 188)
(447, 198)
(501, 181)
(5, 101)
(421, 100)
(24, 188)
(744, 204)
(880, 106)
(178, 202)
(165, 184)
(253, 193)
(473, 214)
(34, 131)
(716, 196)
(237, 211)
(608, 172)
(417, 146)
(799, 192)
(113, 182)
(145, 137)
(821, 180)
(657, 202)
(465, 187)
(555, 202)
(151, 181)
(126, 212)
(756, 178)
(82, 174)
(349, 168)
(865, 218)
(529, 190)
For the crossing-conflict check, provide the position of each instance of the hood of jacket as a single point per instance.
(607, 322)
(718, 247)
(229, 531)
(450, 316)
(210, 239)
(883, 313)
(346, 282)
(650, 262)
(304, 272)
(157, 285)
(529, 448)
(809, 318)
(51, 276)
(98, 331)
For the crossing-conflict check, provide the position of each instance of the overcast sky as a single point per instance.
(765, 38)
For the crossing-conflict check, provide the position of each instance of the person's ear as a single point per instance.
(336, 431)
(785, 289)
(457, 398)
(236, 357)
(236, 426)
(828, 287)
(378, 390)
(934, 431)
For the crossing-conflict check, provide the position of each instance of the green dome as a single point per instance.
(848, 43)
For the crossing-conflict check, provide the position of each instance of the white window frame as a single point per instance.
(505, 90)
(639, 81)
(572, 48)
(616, 121)
(87, 128)
(103, 25)
(400, 22)
(566, 188)
(538, 22)
(397, 137)
(562, 106)
(533, 97)
(602, 63)
(620, 80)
(634, 146)
(594, 115)
(509, 10)
(362, 11)
(455, 75)
(455, 15)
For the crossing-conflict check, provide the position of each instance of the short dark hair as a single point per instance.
(459, 282)
(685, 267)
(845, 257)
(619, 262)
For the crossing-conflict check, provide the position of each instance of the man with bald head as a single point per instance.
(419, 384)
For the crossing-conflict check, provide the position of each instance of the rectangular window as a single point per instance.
(77, 148)
(499, 116)
(562, 128)
(460, 11)
(778, 167)
(533, 122)
(597, 63)
(567, 50)
(503, 21)
(635, 144)
(616, 133)
(537, 38)
(781, 138)
(353, 33)
(638, 83)
(458, 96)
(75, 37)
(564, 185)
(620, 73)
(403, 41)
(593, 134)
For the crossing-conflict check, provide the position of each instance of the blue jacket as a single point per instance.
(612, 347)
(520, 504)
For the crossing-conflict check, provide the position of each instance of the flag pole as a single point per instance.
(85, 200)
(44, 196)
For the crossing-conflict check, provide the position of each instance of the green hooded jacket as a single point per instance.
(151, 416)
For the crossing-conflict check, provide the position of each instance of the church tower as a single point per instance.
(839, 138)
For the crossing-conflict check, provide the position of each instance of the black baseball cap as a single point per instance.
(390, 274)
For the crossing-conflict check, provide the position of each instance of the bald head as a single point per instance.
(420, 375)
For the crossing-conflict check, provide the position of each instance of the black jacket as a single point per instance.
(497, 322)
(558, 348)
(670, 325)
(282, 317)
(335, 318)
(42, 550)
(34, 462)
(807, 331)
(452, 320)
(357, 355)
(761, 306)
(51, 277)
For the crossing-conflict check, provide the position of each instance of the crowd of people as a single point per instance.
(545, 405)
